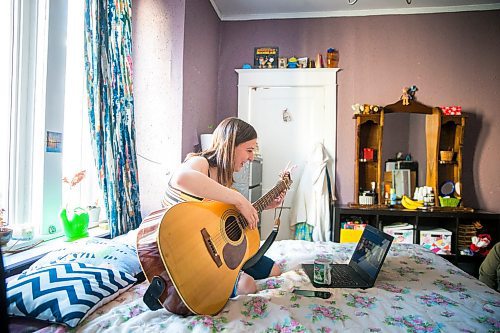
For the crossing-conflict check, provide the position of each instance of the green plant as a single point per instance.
(72, 183)
(77, 178)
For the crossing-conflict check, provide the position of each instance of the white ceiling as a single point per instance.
(236, 10)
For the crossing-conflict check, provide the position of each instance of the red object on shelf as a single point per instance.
(451, 110)
(368, 154)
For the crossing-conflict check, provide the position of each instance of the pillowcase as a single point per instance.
(65, 293)
(94, 251)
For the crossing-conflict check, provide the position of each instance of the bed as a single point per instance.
(416, 291)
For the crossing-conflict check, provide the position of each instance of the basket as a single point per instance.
(448, 202)
(446, 155)
(465, 234)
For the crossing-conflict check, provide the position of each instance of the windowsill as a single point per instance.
(14, 263)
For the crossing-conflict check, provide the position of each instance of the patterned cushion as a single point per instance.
(94, 251)
(65, 293)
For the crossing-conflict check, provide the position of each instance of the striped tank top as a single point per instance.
(174, 196)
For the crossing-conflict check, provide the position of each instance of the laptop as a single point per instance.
(365, 263)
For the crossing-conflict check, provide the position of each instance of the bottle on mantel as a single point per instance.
(393, 197)
(374, 192)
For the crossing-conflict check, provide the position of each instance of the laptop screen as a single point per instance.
(370, 252)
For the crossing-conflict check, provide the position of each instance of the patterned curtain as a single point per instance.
(108, 63)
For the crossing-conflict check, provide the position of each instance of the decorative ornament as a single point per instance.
(287, 117)
(52, 229)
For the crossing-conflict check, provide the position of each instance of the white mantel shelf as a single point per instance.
(243, 70)
(281, 77)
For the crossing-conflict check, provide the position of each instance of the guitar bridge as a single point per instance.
(211, 247)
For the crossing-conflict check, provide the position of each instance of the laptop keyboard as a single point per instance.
(341, 276)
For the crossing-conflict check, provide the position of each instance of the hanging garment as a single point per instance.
(311, 204)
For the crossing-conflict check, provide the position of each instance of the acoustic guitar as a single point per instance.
(197, 250)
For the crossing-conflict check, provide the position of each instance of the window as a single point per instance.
(44, 94)
(5, 92)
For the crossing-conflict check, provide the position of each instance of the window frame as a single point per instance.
(38, 104)
(28, 70)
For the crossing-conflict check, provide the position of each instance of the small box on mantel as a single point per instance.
(436, 240)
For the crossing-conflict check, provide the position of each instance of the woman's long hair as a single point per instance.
(230, 133)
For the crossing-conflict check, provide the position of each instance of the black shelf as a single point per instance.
(424, 220)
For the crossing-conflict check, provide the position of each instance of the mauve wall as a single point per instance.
(175, 51)
(201, 51)
(158, 39)
(452, 58)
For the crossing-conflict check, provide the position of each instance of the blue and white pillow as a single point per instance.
(65, 293)
(94, 251)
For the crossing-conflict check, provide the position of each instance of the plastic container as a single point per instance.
(393, 197)
(332, 58)
(401, 234)
(350, 235)
(436, 240)
(77, 227)
(448, 202)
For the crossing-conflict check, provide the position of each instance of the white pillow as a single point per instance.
(64, 293)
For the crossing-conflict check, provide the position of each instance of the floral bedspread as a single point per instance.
(416, 291)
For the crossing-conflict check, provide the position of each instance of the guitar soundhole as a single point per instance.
(233, 229)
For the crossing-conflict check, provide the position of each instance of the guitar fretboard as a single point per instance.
(267, 198)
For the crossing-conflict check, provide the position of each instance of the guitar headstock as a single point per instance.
(285, 176)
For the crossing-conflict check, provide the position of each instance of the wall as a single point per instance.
(201, 51)
(158, 39)
(54, 115)
(175, 52)
(452, 58)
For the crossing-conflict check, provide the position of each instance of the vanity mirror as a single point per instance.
(416, 129)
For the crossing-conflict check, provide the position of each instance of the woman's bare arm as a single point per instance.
(192, 178)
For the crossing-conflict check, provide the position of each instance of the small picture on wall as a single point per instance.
(53, 142)
(266, 57)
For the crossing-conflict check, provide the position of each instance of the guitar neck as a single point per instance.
(267, 198)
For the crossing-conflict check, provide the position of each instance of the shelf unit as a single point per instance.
(451, 136)
(425, 220)
(369, 131)
(441, 133)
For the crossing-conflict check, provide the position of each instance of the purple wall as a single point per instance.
(201, 52)
(158, 43)
(452, 58)
(184, 79)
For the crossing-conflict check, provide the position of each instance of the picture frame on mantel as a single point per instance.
(266, 57)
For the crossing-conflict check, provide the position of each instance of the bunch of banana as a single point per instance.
(411, 204)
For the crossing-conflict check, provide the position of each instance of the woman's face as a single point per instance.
(243, 153)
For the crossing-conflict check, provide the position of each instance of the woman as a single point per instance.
(489, 271)
(209, 175)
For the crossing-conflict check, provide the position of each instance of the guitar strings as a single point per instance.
(239, 224)
(232, 230)
(233, 227)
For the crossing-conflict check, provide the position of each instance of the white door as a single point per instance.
(291, 109)
(289, 121)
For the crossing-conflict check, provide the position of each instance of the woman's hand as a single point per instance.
(279, 199)
(247, 210)
(277, 202)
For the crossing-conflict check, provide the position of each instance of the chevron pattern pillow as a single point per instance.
(65, 293)
(94, 251)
